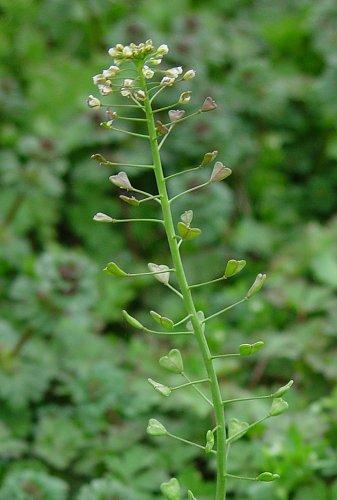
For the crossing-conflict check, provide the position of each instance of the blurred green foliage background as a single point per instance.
(74, 396)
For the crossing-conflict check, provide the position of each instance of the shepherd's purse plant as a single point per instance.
(135, 75)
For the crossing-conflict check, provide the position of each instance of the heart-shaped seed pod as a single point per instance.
(187, 217)
(160, 269)
(100, 217)
(171, 490)
(161, 128)
(155, 428)
(176, 114)
(219, 172)
(172, 362)
(166, 323)
(208, 158)
(99, 158)
(201, 318)
(188, 233)
(209, 104)
(121, 180)
(278, 406)
(267, 477)
(112, 268)
(233, 267)
(237, 428)
(282, 390)
(209, 441)
(162, 389)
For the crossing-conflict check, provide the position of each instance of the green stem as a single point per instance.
(187, 441)
(208, 282)
(188, 299)
(192, 382)
(238, 400)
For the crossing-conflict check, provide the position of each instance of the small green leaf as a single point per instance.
(187, 217)
(155, 428)
(171, 489)
(209, 441)
(162, 389)
(172, 361)
(130, 200)
(278, 406)
(234, 267)
(237, 428)
(186, 232)
(112, 268)
(166, 323)
(282, 390)
(257, 285)
(267, 477)
(132, 321)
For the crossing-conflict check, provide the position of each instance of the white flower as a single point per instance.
(93, 102)
(111, 71)
(100, 217)
(162, 50)
(127, 82)
(113, 52)
(174, 72)
(125, 92)
(167, 81)
(189, 74)
(105, 89)
(147, 72)
(98, 79)
(140, 95)
(127, 51)
(185, 97)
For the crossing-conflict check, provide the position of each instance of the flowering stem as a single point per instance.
(187, 298)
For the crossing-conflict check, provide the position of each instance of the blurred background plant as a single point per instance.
(74, 396)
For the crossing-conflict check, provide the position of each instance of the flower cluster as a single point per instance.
(140, 52)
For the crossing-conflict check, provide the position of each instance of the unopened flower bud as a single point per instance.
(257, 285)
(174, 72)
(100, 217)
(185, 97)
(112, 115)
(130, 200)
(111, 71)
(93, 102)
(176, 114)
(121, 180)
(155, 428)
(155, 62)
(189, 74)
(167, 81)
(162, 50)
(113, 52)
(127, 51)
(147, 72)
(209, 104)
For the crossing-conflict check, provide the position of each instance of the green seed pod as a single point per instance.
(190, 495)
(172, 361)
(166, 323)
(171, 489)
(282, 390)
(208, 158)
(186, 232)
(130, 200)
(209, 441)
(234, 267)
(220, 172)
(132, 321)
(245, 349)
(278, 406)
(267, 477)
(162, 389)
(112, 268)
(257, 285)
(257, 346)
(155, 428)
(235, 427)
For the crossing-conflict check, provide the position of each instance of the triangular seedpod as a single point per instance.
(282, 390)
(187, 217)
(132, 321)
(188, 233)
(233, 267)
(171, 490)
(112, 268)
(237, 428)
(176, 114)
(162, 389)
(278, 406)
(166, 323)
(220, 172)
(172, 361)
(130, 200)
(208, 158)
(257, 346)
(209, 104)
(121, 180)
(257, 285)
(155, 428)
(160, 269)
(267, 477)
